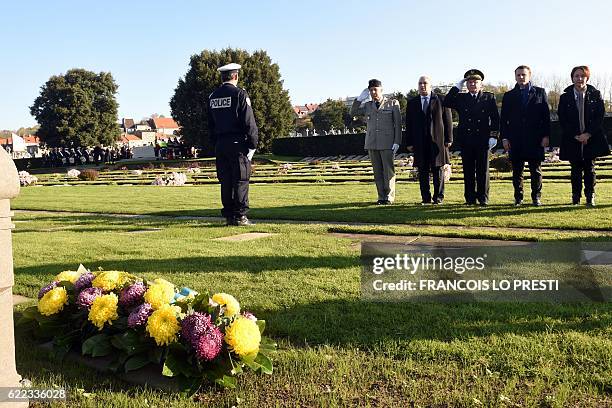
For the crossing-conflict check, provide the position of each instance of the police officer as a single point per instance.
(233, 132)
(478, 129)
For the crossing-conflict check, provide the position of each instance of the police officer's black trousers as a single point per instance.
(475, 162)
(535, 172)
(233, 172)
(578, 168)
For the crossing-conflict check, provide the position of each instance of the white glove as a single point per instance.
(459, 85)
(364, 95)
(250, 154)
(492, 142)
(395, 148)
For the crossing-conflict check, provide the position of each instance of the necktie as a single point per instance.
(580, 104)
(475, 96)
(425, 103)
(377, 105)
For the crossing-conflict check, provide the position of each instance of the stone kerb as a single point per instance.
(9, 188)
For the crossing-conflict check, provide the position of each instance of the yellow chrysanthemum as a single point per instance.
(103, 310)
(70, 276)
(53, 301)
(243, 336)
(109, 280)
(160, 281)
(163, 324)
(159, 293)
(232, 307)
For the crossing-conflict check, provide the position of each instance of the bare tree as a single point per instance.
(554, 85)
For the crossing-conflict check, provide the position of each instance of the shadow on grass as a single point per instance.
(101, 223)
(202, 264)
(550, 216)
(368, 324)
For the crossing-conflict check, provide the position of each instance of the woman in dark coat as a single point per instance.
(581, 113)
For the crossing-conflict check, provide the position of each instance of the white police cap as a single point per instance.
(229, 67)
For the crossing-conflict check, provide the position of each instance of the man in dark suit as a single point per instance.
(525, 131)
(478, 127)
(429, 134)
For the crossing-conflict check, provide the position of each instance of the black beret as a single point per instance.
(474, 74)
(374, 83)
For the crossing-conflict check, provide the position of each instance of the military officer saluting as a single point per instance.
(478, 132)
(233, 132)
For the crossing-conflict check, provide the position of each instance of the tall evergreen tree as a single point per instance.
(331, 113)
(78, 108)
(259, 77)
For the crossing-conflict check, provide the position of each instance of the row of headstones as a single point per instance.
(347, 158)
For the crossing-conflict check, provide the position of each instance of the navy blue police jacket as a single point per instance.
(230, 117)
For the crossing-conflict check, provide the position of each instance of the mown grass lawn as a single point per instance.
(344, 202)
(335, 349)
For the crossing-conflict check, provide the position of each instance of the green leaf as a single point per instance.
(129, 342)
(69, 286)
(136, 362)
(60, 350)
(176, 364)
(249, 360)
(54, 326)
(116, 364)
(200, 302)
(188, 385)
(97, 346)
(264, 362)
(267, 345)
(31, 313)
(227, 381)
(156, 355)
(261, 324)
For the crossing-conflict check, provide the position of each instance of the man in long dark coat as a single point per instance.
(429, 134)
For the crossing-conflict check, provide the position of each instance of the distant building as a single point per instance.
(301, 111)
(26, 146)
(127, 125)
(147, 136)
(132, 140)
(166, 126)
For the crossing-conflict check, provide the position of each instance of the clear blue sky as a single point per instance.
(324, 48)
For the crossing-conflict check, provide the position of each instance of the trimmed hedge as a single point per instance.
(352, 144)
(330, 145)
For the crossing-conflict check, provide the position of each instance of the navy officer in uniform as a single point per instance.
(233, 132)
(478, 130)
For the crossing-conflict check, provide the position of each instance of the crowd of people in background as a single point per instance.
(64, 156)
(73, 156)
(173, 149)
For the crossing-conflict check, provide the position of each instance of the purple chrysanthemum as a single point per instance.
(193, 326)
(45, 289)
(139, 316)
(209, 344)
(87, 296)
(132, 295)
(84, 281)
